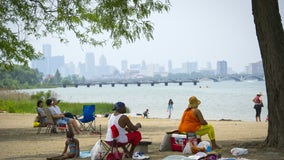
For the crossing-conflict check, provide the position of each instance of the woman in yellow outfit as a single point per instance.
(192, 121)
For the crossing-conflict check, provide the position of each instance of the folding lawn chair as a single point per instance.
(111, 149)
(51, 125)
(87, 119)
(42, 124)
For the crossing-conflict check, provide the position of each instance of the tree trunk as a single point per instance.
(270, 36)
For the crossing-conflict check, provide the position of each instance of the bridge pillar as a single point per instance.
(100, 85)
(112, 84)
(180, 83)
(125, 84)
(76, 85)
(166, 83)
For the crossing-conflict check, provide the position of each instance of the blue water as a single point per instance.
(219, 100)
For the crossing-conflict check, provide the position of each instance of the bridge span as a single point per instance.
(126, 83)
(140, 82)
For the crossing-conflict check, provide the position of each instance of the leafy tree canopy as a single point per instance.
(117, 20)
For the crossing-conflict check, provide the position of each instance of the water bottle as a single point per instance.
(208, 149)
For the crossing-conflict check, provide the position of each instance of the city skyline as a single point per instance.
(89, 69)
(192, 31)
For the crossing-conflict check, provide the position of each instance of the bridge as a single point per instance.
(236, 78)
(180, 82)
(126, 83)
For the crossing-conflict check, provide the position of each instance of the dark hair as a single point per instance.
(39, 102)
(69, 134)
(48, 102)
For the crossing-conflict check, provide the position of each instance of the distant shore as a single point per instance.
(19, 141)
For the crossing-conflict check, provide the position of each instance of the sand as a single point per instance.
(18, 138)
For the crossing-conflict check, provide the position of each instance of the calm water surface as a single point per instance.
(227, 99)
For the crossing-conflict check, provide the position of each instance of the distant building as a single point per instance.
(256, 68)
(103, 61)
(90, 64)
(124, 66)
(170, 66)
(189, 67)
(222, 68)
(48, 64)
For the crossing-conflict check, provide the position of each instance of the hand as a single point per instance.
(138, 125)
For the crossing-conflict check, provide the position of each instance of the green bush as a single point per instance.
(20, 103)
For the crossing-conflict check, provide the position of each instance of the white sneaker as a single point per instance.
(140, 155)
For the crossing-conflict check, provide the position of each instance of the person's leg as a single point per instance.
(55, 157)
(134, 138)
(208, 129)
(258, 110)
(75, 125)
(259, 114)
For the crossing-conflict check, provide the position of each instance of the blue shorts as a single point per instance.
(63, 121)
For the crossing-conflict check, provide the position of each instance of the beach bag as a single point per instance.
(187, 149)
(97, 151)
(166, 143)
(116, 155)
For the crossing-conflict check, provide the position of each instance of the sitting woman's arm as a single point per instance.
(199, 115)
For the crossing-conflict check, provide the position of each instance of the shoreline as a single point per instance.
(16, 130)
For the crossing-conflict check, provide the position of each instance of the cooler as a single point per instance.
(178, 142)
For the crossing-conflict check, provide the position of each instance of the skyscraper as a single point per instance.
(222, 68)
(43, 64)
(170, 66)
(124, 65)
(90, 64)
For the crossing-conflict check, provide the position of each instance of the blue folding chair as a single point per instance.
(87, 119)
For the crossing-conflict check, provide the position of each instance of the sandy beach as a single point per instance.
(18, 138)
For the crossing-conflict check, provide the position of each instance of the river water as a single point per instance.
(219, 100)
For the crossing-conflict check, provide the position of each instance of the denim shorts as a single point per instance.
(64, 120)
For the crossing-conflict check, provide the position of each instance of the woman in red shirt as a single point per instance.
(257, 106)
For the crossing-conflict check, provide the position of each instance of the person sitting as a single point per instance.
(41, 113)
(123, 124)
(61, 120)
(73, 145)
(58, 110)
(192, 121)
(145, 113)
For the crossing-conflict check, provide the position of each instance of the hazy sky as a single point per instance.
(193, 30)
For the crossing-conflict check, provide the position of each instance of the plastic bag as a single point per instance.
(239, 151)
(187, 149)
(97, 151)
(205, 144)
(166, 143)
(36, 124)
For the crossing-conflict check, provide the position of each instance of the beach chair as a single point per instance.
(48, 125)
(52, 126)
(111, 149)
(87, 119)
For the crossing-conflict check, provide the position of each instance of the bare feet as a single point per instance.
(214, 147)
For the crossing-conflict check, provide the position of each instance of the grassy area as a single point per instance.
(14, 102)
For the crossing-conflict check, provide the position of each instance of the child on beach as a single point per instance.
(74, 148)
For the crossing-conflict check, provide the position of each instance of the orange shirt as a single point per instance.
(189, 122)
